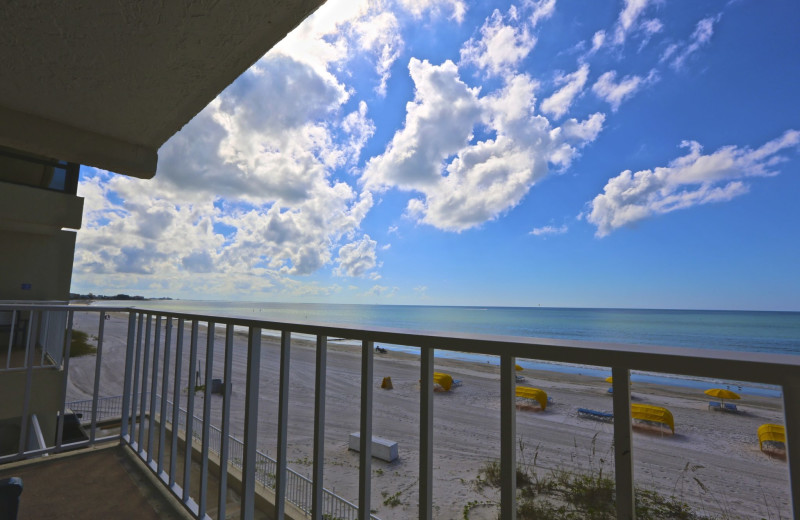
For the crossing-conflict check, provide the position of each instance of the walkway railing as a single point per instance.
(298, 487)
(107, 408)
(150, 340)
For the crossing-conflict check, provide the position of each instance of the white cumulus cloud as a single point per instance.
(456, 8)
(245, 192)
(380, 34)
(465, 181)
(541, 10)
(559, 102)
(501, 46)
(598, 39)
(381, 291)
(614, 93)
(627, 19)
(687, 181)
(677, 53)
(357, 259)
(549, 230)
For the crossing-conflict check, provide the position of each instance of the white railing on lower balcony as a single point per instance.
(35, 337)
(145, 369)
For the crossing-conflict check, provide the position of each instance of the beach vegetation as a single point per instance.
(305, 461)
(391, 500)
(575, 495)
(80, 344)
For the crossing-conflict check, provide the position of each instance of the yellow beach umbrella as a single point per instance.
(517, 367)
(610, 379)
(722, 394)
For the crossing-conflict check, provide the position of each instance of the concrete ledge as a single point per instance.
(383, 449)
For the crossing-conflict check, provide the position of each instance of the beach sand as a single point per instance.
(712, 462)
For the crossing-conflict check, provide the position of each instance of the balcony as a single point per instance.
(273, 403)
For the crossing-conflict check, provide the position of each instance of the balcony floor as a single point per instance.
(95, 483)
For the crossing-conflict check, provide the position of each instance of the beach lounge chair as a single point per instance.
(714, 405)
(730, 407)
(595, 414)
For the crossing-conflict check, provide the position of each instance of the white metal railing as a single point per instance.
(107, 408)
(299, 487)
(31, 330)
(150, 340)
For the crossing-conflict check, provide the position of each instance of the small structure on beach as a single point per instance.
(383, 449)
(655, 415)
(445, 381)
(773, 438)
(533, 394)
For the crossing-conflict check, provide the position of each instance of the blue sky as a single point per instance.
(589, 154)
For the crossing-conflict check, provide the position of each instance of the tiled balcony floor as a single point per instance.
(95, 483)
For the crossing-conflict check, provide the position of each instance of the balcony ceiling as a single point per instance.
(107, 83)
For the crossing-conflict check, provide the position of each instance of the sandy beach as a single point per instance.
(712, 462)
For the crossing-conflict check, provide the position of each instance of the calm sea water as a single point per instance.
(773, 332)
(777, 332)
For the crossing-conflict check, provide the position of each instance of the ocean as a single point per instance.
(768, 332)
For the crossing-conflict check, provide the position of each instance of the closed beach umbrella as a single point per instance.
(722, 394)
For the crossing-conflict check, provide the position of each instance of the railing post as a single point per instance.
(29, 350)
(46, 327)
(12, 333)
(319, 427)
(162, 422)
(189, 437)
(126, 386)
(176, 396)
(224, 437)
(151, 433)
(135, 418)
(508, 438)
(426, 434)
(65, 378)
(623, 448)
(210, 333)
(365, 442)
(145, 368)
(250, 424)
(791, 410)
(283, 421)
(98, 361)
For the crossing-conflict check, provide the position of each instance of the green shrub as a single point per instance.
(80, 346)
